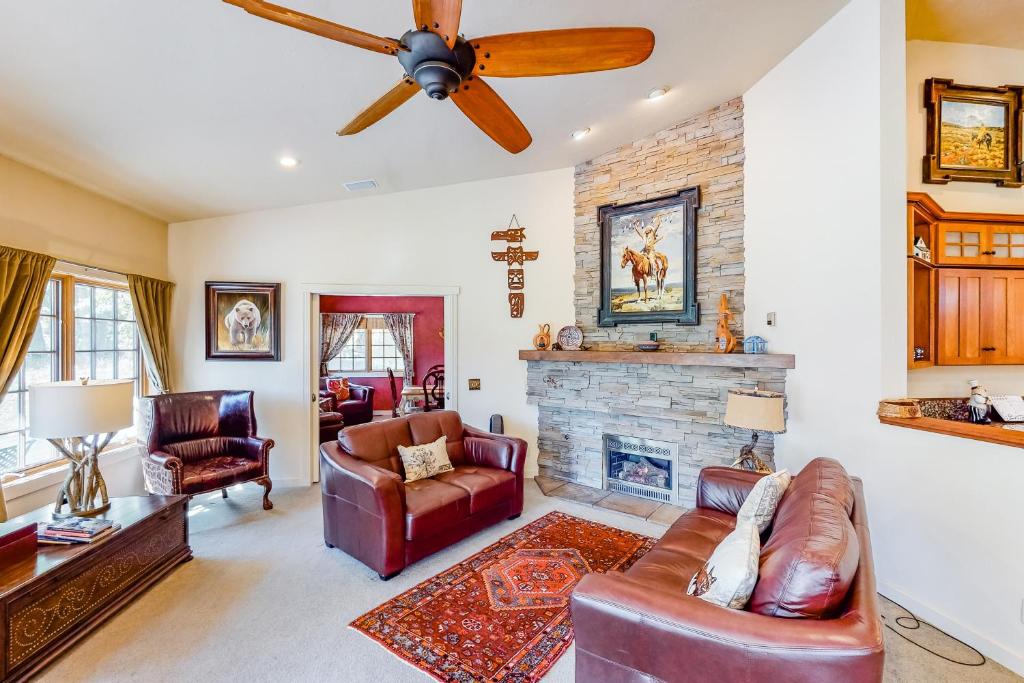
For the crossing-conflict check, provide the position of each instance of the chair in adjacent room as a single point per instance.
(394, 393)
(433, 389)
(357, 409)
(201, 441)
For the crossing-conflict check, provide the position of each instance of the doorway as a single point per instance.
(370, 349)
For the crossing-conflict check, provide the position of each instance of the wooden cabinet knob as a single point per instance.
(988, 348)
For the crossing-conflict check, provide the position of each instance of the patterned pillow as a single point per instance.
(339, 387)
(425, 460)
(762, 500)
(727, 579)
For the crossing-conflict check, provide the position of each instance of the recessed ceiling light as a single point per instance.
(288, 162)
(580, 134)
(657, 93)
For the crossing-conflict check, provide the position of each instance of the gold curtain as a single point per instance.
(23, 278)
(151, 299)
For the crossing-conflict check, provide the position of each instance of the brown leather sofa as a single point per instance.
(372, 514)
(814, 614)
(357, 410)
(201, 441)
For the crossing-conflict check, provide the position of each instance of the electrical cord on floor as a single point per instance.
(912, 623)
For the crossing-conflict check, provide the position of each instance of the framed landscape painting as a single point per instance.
(649, 261)
(974, 133)
(243, 321)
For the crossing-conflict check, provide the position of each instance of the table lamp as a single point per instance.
(80, 418)
(758, 411)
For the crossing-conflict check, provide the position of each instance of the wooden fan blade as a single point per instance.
(320, 27)
(563, 51)
(440, 16)
(489, 112)
(391, 101)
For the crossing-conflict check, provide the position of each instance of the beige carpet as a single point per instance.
(264, 600)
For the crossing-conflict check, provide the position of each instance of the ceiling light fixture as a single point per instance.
(580, 134)
(657, 93)
(288, 162)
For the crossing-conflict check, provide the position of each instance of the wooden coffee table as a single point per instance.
(53, 598)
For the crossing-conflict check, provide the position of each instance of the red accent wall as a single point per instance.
(427, 347)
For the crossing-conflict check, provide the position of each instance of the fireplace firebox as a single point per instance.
(641, 467)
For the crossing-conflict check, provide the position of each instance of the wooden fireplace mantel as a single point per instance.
(728, 360)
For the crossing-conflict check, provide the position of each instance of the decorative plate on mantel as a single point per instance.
(570, 338)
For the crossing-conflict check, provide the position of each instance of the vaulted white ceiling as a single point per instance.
(182, 108)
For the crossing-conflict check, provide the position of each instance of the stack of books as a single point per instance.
(75, 530)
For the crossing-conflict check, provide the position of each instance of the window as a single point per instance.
(106, 336)
(371, 350)
(42, 364)
(93, 335)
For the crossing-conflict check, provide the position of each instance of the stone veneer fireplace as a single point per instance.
(676, 398)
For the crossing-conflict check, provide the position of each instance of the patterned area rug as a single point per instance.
(503, 614)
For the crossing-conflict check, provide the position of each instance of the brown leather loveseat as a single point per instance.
(374, 516)
(813, 616)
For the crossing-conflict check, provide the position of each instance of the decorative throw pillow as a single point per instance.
(425, 460)
(762, 500)
(728, 577)
(339, 387)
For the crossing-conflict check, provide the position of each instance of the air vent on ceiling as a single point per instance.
(361, 185)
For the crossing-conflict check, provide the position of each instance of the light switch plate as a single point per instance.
(474, 384)
(771, 320)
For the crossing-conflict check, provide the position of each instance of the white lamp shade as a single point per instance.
(66, 409)
(762, 411)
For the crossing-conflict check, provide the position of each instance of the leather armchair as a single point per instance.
(358, 409)
(640, 626)
(372, 514)
(202, 441)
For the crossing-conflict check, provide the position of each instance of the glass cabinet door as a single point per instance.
(961, 244)
(1006, 245)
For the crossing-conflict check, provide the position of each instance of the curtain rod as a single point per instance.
(88, 267)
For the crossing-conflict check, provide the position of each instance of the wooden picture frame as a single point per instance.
(626, 297)
(243, 321)
(973, 133)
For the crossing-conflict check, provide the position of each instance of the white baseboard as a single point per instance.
(288, 482)
(984, 644)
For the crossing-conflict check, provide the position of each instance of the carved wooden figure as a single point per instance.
(516, 304)
(725, 339)
(516, 234)
(514, 256)
(516, 279)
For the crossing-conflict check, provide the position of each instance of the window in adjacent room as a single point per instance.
(86, 329)
(370, 351)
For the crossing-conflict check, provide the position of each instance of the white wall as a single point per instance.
(435, 237)
(972, 65)
(824, 224)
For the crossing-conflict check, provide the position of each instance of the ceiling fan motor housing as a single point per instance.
(438, 69)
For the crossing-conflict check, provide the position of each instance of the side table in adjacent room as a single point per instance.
(51, 599)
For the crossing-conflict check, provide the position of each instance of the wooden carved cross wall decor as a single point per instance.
(514, 256)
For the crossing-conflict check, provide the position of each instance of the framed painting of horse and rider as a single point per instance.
(649, 261)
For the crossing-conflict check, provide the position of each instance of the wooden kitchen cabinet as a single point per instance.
(980, 244)
(980, 316)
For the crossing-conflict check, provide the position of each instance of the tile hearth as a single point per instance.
(657, 513)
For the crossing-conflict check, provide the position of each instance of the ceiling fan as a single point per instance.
(442, 63)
